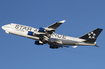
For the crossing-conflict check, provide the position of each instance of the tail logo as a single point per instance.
(91, 35)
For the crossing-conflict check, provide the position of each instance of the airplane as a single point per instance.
(47, 35)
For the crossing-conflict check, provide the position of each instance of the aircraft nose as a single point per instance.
(2, 27)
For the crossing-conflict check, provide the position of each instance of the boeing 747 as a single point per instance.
(47, 35)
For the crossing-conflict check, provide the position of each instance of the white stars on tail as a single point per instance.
(91, 35)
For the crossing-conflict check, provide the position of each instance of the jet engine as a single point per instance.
(53, 47)
(38, 43)
(41, 29)
(30, 33)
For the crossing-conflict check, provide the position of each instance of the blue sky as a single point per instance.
(81, 17)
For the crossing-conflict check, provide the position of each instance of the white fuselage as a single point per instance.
(22, 30)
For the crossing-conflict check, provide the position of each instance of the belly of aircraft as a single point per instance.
(63, 41)
(68, 42)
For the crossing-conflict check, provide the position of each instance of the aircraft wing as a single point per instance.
(45, 33)
(50, 29)
(55, 25)
(56, 46)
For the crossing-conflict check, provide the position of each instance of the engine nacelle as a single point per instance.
(41, 29)
(53, 47)
(30, 33)
(38, 43)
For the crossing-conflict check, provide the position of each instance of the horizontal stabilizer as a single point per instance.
(90, 40)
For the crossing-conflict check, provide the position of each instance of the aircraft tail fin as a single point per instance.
(91, 36)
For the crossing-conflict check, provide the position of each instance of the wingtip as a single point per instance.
(62, 21)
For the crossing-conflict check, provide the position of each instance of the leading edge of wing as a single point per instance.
(56, 25)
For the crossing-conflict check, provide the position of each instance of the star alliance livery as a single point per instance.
(47, 36)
